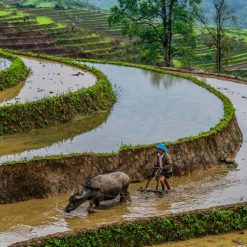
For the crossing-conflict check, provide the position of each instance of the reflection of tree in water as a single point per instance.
(165, 80)
(4, 63)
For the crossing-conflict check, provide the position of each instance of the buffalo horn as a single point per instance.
(80, 196)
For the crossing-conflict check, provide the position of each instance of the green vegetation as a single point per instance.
(44, 20)
(151, 231)
(239, 73)
(48, 111)
(57, 4)
(36, 4)
(239, 7)
(63, 32)
(216, 36)
(14, 74)
(82, 32)
(154, 24)
(5, 12)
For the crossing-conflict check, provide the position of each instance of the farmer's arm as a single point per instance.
(169, 163)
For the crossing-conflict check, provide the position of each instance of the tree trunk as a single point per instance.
(218, 45)
(169, 33)
(219, 9)
(167, 24)
(218, 59)
(166, 45)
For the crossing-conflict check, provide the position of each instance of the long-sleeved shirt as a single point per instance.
(164, 161)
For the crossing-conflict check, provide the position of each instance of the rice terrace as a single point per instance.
(123, 123)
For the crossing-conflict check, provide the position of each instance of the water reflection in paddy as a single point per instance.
(48, 79)
(151, 107)
(4, 63)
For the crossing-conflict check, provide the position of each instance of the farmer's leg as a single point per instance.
(166, 183)
(162, 182)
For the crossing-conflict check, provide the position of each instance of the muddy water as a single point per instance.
(4, 63)
(25, 220)
(50, 79)
(236, 239)
(33, 218)
(151, 107)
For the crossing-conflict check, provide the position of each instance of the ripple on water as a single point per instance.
(4, 63)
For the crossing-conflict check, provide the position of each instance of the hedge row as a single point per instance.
(57, 109)
(151, 231)
(14, 74)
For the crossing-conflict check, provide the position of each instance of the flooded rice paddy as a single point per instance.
(25, 220)
(151, 107)
(202, 189)
(48, 79)
(4, 63)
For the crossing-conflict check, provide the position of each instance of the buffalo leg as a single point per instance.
(96, 202)
(125, 195)
(90, 210)
(122, 197)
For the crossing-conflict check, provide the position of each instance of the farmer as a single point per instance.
(164, 162)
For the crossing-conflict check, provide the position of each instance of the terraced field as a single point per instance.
(19, 30)
(86, 33)
(204, 55)
(60, 32)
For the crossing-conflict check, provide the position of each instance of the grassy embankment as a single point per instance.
(49, 111)
(14, 74)
(240, 73)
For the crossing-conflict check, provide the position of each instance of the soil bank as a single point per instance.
(46, 177)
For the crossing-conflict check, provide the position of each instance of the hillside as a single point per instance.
(239, 7)
(84, 32)
(103, 4)
(63, 32)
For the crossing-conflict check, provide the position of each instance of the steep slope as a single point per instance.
(238, 6)
(104, 4)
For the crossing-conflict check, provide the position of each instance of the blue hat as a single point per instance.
(162, 147)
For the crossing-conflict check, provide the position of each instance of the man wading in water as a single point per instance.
(164, 164)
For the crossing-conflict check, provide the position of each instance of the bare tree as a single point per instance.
(222, 21)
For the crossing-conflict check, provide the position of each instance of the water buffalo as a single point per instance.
(101, 188)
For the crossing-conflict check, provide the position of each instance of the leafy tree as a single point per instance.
(153, 24)
(216, 35)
